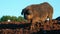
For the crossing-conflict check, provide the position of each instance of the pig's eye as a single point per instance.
(28, 12)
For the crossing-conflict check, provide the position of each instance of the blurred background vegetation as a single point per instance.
(12, 18)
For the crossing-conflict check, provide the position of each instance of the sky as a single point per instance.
(14, 7)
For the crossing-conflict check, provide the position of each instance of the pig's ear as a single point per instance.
(23, 11)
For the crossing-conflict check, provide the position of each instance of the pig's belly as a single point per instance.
(43, 18)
